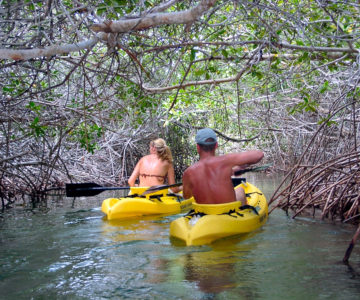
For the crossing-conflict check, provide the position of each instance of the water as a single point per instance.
(69, 251)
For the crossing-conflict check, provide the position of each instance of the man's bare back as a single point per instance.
(209, 180)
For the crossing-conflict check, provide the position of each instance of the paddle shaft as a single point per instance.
(93, 189)
(104, 188)
(255, 169)
(88, 189)
(159, 188)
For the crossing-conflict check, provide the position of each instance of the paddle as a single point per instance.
(156, 188)
(93, 189)
(255, 169)
(88, 189)
(161, 187)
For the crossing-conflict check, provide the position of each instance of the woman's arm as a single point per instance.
(135, 174)
(171, 179)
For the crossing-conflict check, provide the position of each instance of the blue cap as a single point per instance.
(204, 134)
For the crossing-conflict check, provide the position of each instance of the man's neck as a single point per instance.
(204, 155)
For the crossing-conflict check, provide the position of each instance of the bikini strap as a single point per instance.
(150, 175)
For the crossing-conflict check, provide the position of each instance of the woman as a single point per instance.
(153, 169)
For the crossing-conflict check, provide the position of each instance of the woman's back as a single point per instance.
(152, 170)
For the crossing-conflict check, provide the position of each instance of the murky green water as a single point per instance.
(70, 252)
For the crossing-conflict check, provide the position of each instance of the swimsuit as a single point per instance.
(158, 176)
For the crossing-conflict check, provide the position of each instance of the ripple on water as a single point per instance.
(76, 254)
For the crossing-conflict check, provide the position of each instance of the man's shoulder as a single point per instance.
(189, 170)
(229, 156)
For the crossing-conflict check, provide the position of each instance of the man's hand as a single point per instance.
(239, 168)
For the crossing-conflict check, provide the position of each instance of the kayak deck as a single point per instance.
(135, 205)
(206, 223)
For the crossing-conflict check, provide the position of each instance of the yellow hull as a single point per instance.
(210, 222)
(152, 204)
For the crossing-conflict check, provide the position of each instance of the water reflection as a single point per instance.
(74, 253)
(216, 269)
(133, 229)
(141, 235)
(212, 274)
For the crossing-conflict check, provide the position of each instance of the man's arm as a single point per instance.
(187, 190)
(244, 158)
(238, 168)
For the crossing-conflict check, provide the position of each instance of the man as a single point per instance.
(209, 180)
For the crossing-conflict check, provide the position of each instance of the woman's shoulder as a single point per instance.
(144, 159)
(152, 158)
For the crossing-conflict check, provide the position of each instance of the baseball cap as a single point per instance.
(206, 133)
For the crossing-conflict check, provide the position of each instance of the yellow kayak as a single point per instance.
(206, 223)
(134, 205)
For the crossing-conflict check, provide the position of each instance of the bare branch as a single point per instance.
(155, 19)
(27, 54)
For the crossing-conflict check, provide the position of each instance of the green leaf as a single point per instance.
(101, 11)
(121, 2)
(324, 87)
(34, 107)
(37, 129)
(224, 53)
(327, 121)
(192, 54)
(304, 57)
(199, 72)
(7, 89)
(257, 74)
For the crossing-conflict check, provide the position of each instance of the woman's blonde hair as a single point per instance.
(163, 151)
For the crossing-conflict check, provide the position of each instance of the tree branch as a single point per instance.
(27, 54)
(196, 83)
(155, 19)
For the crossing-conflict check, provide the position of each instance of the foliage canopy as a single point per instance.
(86, 84)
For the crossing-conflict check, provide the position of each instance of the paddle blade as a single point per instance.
(83, 189)
(89, 189)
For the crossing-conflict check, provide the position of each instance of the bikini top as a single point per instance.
(148, 175)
